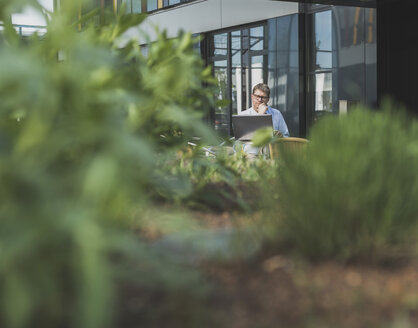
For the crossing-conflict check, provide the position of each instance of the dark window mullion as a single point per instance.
(253, 53)
(320, 71)
(247, 66)
(218, 58)
(229, 81)
(265, 59)
(244, 54)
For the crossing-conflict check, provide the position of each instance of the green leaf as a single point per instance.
(262, 137)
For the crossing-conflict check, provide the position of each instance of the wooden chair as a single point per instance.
(292, 144)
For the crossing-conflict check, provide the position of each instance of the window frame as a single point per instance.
(246, 64)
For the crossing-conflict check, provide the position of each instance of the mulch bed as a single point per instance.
(275, 290)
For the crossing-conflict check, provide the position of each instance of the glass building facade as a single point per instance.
(312, 72)
(317, 61)
(239, 58)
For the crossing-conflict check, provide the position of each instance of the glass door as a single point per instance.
(239, 61)
(221, 66)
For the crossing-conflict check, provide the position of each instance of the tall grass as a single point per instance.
(354, 193)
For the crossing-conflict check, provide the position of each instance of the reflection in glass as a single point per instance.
(221, 113)
(136, 6)
(145, 50)
(323, 30)
(351, 25)
(370, 57)
(283, 69)
(257, 38)
(323, 60)
(324, 81)
(323, 39)
(371, 25)
(236, 48)
(196, 46)
(323, 92)
(152, 5)
(356, 78)
(220, 44)
(257, 69)
(236, 70)
(128, 5)
(173, 2)
(237, 64)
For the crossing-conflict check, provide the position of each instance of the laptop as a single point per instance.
(244, 126)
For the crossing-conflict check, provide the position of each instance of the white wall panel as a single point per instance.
(193, 17)
(237, 12)
(208, 15)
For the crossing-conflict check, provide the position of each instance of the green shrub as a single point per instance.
(354, 193)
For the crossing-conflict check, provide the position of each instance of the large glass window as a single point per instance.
(220, 46)
(257, 38)
(342, 58)
(323, 59)
(239, 61)
(221, 112)
(323, 40)
(283, 69)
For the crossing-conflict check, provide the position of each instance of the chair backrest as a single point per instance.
(291, 144)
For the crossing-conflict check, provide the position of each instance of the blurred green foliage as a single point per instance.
(353, 194)
(262, 137)
(92, 132)
(214, 178)
(83, 120)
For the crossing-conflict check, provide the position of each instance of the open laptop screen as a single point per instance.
(244, 126)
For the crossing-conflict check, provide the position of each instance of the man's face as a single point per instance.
(259, 97)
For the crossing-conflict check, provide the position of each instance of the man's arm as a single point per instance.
(283, 127)
(279, 123)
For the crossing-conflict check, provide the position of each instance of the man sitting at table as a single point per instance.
(260, 97)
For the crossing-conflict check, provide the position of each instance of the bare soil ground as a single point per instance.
(278, 293)
(275, 290)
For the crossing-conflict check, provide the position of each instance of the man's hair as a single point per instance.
(263, 87)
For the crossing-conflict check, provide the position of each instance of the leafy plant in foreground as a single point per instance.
(81, 119)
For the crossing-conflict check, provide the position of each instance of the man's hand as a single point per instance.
(262, 108)
(277, 133)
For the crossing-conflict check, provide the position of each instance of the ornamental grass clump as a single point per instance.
(354, 193)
